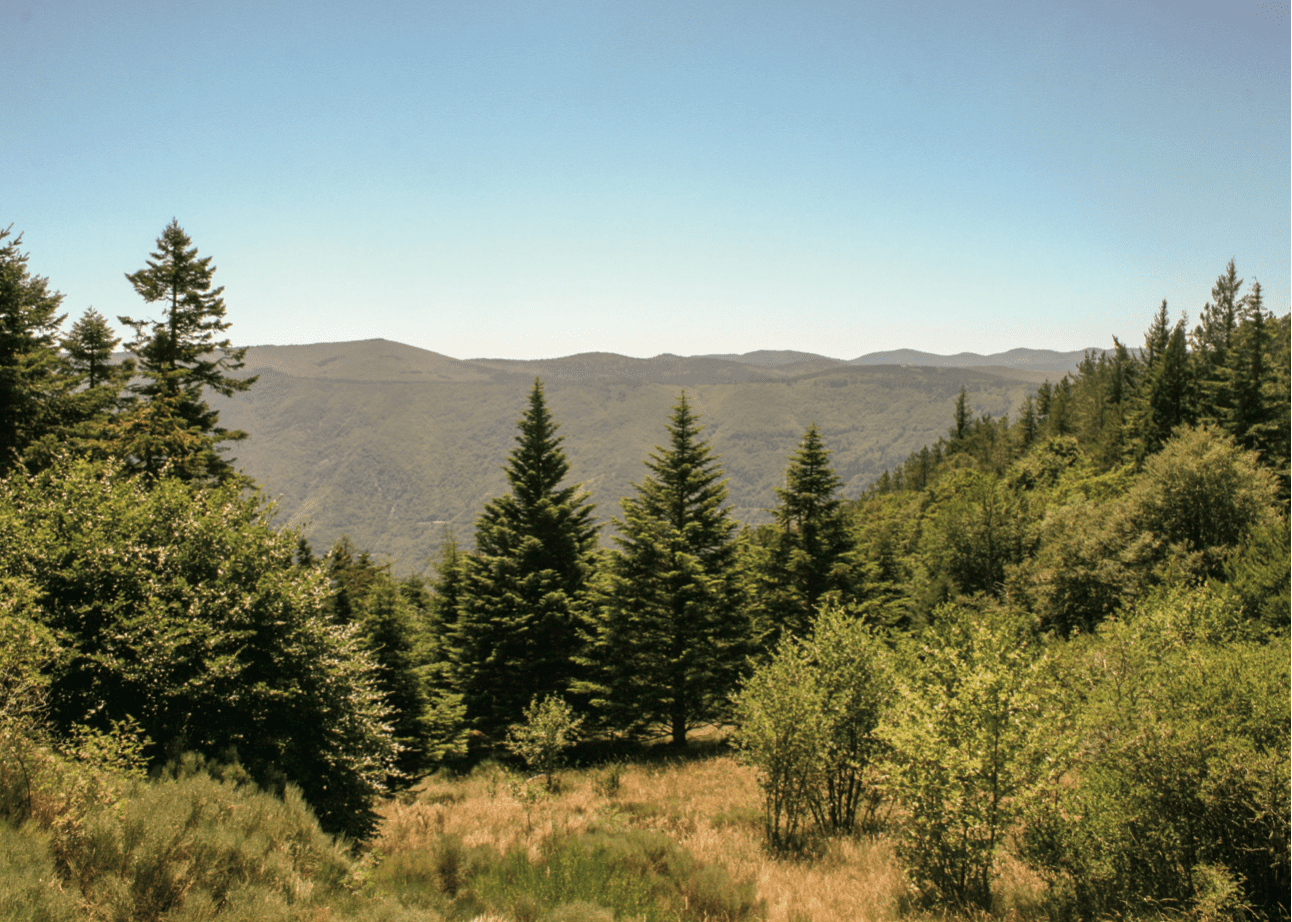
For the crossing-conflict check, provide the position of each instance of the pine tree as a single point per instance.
(808, 542)
(1212, 344)
(179, 357)
(1167, 395)
(89, 349)
(672, 635)
(33, 377)
(518, 633)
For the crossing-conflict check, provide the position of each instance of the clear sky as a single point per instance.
(521, 179)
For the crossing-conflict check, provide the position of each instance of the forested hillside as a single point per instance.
(1044, 654)
(391, 445)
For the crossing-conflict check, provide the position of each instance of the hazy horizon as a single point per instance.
(550, 179)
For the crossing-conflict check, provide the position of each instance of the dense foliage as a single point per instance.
(671, 632)
(1063, 637)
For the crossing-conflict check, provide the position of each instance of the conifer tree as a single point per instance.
(33, 377)
(518, 631)
(1167, 396)
(808, 542)
(672, 635)
(89, 349)
(179, 356)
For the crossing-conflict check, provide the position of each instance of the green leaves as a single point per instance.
(967, 732)
(183, 609)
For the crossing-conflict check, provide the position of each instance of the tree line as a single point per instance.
(1138, 506)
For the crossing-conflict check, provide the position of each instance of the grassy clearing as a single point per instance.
(683, 838)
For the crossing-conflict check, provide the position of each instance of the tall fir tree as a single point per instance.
(181, 356)
(672, 634)
(1212, 342)
(1167, 397)
(34, 379)
(807, 547)
(89, 348)
(518, 633)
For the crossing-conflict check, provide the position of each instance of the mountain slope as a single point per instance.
(393, 445)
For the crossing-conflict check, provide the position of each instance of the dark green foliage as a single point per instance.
(89, 348)
(180, 357)
(1259, 574)
(975, 529)
(805, 550)
(672, 633)
(184, 610)
(33, 377)
(517, 632)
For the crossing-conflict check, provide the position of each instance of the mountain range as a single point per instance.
(398, 447)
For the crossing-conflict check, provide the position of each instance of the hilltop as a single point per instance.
(396, 446)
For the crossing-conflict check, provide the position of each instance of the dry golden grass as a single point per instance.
(711, 807)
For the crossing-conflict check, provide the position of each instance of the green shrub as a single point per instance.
(1178, 798)
(30, 888)
(201, 841)
(965, 732)
(549, 729)
(806, 719)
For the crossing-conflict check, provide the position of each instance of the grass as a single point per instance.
(658, 839)
(700, 817)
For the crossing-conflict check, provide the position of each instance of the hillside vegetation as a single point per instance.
(1037, 670)
(393, 445)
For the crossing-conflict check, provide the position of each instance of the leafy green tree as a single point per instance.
(184, 610)
(550, 728)
(672, 634)
(783, 727)
(518, 631)
(973, 530)
(180, 356)
(966, 732)
(33, 377)
(807, 720)
(1199, 498)
(807, 547)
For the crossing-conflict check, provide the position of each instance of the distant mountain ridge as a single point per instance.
(397, 446)
(1033, 359)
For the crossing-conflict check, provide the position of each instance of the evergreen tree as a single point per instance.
(179, 356)
(809, 542)
(672, 635)
(519, 629)
(89, 349)
(1212, 343)
(1167, 397)
(33, 377)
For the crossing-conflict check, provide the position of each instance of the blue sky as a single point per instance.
(529, 179)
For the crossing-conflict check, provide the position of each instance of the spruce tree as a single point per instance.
(808, 542)
(33, 377)
(518, 631)
(89, 350)
(179, 357)
(672, 635)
